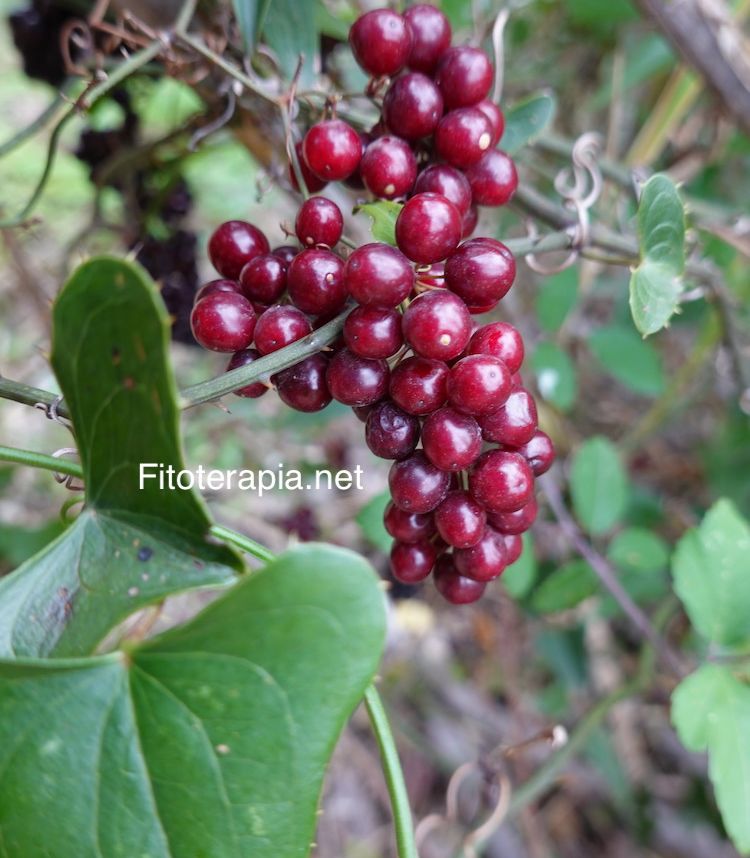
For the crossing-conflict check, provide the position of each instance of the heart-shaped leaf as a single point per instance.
(210, 740)
(133, 544)
(526, 120)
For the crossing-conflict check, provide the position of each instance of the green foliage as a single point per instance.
(370, 520)
(556, 297)
(383, 215)
(588, 14)
(638, 550)
(599, 485)
(519, 578)
(289, 28)
(565, 588)
(17, 544)
(555, 375)
(628, 358)
(526, 120)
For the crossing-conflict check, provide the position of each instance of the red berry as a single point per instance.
(464, 76)
(469, 222)
(448, 182)
(332, 149)
(312, 182)
(479, 384)
(223, 322)
(390, 432)
(412, 106)
(303, 386)
(501, 482)
(280, 326)
(485, 560)
(263, 279)
(493, 179)
(315, 281)
(408, 526)
(233, 244)
(460, 520)
(513, 547)
(355, 380)
(244, 358)
(539, 452)
(514, 423)
(453, 587)
(463, 136)
(419, 385)
(451, 441)
(417, 485)
(389, 168)
(479, 272)
(319, 221)
(501, 340)
(428, 228)
(285, 253)
(216, 286)
(496, 118)
(378, 274)
(373, 332)
(437, 325)
(516, 522)
(412, 562)
(380, 41)
(431, 36)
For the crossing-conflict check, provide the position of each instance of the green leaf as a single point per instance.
(654, 296)
(129, 547)
(638, 550)
(519, 578)
(370, 519)
(383, 214)
(599, 485)
(556, 375)
(711, 711)
(246, 12)
(661, 224)
(17, 544)
(565, 588)
(209, 740)
(711, 569)
(526, 120)
(556, 298)
(290, 30)
(628, 358)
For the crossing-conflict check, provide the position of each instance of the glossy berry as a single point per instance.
(513, 547)
(493, 179)
(417, 485)
(313, 183)
(315, 281)
(454, 587)
(373, 332)
(419, 385)
(319, 221)
(514, 423)
(362, 412)
(280, 325)
(223, 322)
(412, 562)
(355, 380)
(244, 358)
(448, 182)
(390, 432)
(516, 522)
(381, 41)
(539, 452)
(378, 274)
(233, 245)
(285, 253)
(431, 36)
(460, 520)
(451, 441)
(501, 482)
(463, 136)
(332, 150)
(428, 228)
(263, 279)
(496, 118)
(412, 106)
(479, 384)
(501, 340)
(408, 526)
(470, 220)
(480, 272)
(303, 386)
(485, 560)
(437, 325)
(464, 76)
(216, 286)
(388, 167)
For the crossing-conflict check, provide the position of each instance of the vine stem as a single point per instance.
(40, 460)
(394, 776)
(244, 543)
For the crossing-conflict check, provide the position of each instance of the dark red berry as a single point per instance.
(412, 106)
(408, 526)
(381, 41)
(378, 274)
(263, 279)
(319, 221)
(223, 322)
(280, 326)
(493, 179)
(514, 423)
(233, 245)
(412, 562)
(516, 522)
(479, 272)
(460, 520)
(303, 386)
(244, 358)
(332, 150)
(216, 286)
(428, 228)
(513, 547)
(454, 587)
(448, 182)
(373, 332)
(313, 183)
(479, 384)
(285, 253)
(417, 485)
(464, 76)
(501, 340)
(355, 380)
(362, 412)
(315, 281)
(431, 36)
(469, 222)
(485, 560)
(501, 482)
(390, 432)
(451, 441)
(463, 136)
(539, 452)
(437, 325)
(496, 118)
(419, 385)
(389, 168)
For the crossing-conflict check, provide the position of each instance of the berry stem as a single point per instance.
(244, 543)
(40, 460)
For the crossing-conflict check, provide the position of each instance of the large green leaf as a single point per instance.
(129, 547)
(599, 485)
(210, 740)
(628, 358)
(290, 29)
(526, 120)
(711, 569)
(565, 588)
(711, 711)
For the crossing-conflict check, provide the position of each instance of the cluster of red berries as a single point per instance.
(432, 387)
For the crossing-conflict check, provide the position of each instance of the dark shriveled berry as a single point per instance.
(408, 526)
(417, 485)
(412, 562)
(233, 244)
(378, 274)
(454, 587)
(437, 325)
(391, 433)
(419, 385)
(381, 41)
(354, 380)
(460, 520)
(428, 228)
(451, 441)
(319, 221)
(303, 386)
(223, 322)
(431, 36)
(412, 106)
(501, 482)
(244, 358)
